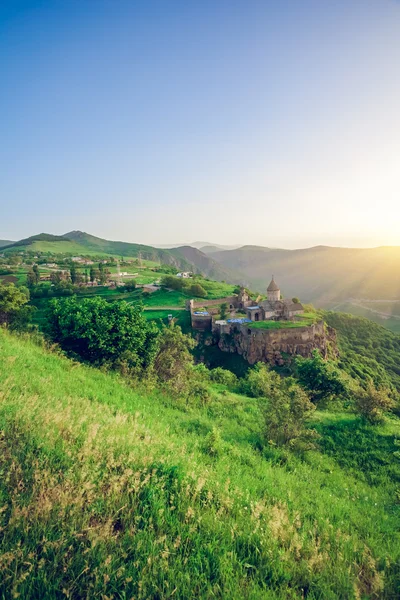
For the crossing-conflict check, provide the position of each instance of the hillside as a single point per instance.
(206, 264)
(322, 275)
(81, 243)
(125, 494)
(5, 243)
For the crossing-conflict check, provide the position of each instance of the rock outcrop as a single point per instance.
(276, 346)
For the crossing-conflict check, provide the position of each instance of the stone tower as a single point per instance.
(273, 291)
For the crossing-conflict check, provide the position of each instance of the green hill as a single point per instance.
(4, 243)
(113, 491)
(81, 243)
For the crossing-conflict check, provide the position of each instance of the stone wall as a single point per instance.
(200, 303)
(271, 345)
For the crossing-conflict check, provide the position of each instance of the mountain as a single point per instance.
(82, 243)
(4, 243)
(184, 257)
(207, 264)
(323, 275)
(203, 246)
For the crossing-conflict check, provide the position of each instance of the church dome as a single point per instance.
(272, 286)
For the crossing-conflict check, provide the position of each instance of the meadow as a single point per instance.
(114, 490)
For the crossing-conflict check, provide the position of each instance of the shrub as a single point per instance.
(371, 402)
(196, 290)
(259, 381)
(223, 376)
(213, 443)
(103, 332)
(321, 378)
(14, 311)
(285, 415)
(173, 364)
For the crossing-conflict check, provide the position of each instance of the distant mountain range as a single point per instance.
(5, 243)
(205, 247)
(323, 275)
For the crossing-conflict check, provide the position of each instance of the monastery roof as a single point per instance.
(272, 286)
(290, 305)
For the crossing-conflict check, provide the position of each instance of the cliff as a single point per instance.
(275, 345)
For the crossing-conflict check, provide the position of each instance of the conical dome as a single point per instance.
(272, 286)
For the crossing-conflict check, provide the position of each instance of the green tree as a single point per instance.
(321, 378)
(286, 413)
(259, 380)
(14, 311)
(102, 274)
(173, 363)
(130, 285)
(101, 332)
(73, 273)
(197, 290)
(223, 310)
(223, 376)
(56, 277)
(172, 282)
(371, 402)
(295, 300)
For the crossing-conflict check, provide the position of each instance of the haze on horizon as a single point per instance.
(246, 122)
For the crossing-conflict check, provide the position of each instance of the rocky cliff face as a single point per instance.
(276, 346)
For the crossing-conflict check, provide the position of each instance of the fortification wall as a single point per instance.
(271, 345)
(200, 303)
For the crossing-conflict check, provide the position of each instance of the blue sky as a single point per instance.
(249, 122)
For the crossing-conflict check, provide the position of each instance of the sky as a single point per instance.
(273, 123)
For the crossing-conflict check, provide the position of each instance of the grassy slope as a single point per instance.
(365, 347)
(110, 490)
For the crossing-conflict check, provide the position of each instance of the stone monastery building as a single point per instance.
(273, 308)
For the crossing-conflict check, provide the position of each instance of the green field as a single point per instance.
(114, 491)
(304, 320)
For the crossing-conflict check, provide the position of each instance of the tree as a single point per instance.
(56, 277)
(259, 380)
(73, 273)
(197, 290)
(371, 402)
(285, 415)
(173, 363)
(101, 332)
(320, 377)
(223, 309)
(224, 376)
(129, 285)
(102, 274)
(172, 282)
(14, 311)
(33, 277)
(295, 300)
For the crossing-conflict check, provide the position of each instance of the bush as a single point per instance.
(130, 285)
(372, 402)
(14, 311)
(196, 290)
(173, 364)
(259, 381)
(223, 376)
(104, 333)
(285, 415)
(321, 378)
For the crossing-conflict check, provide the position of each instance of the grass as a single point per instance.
(304, 320)
(111, 491)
